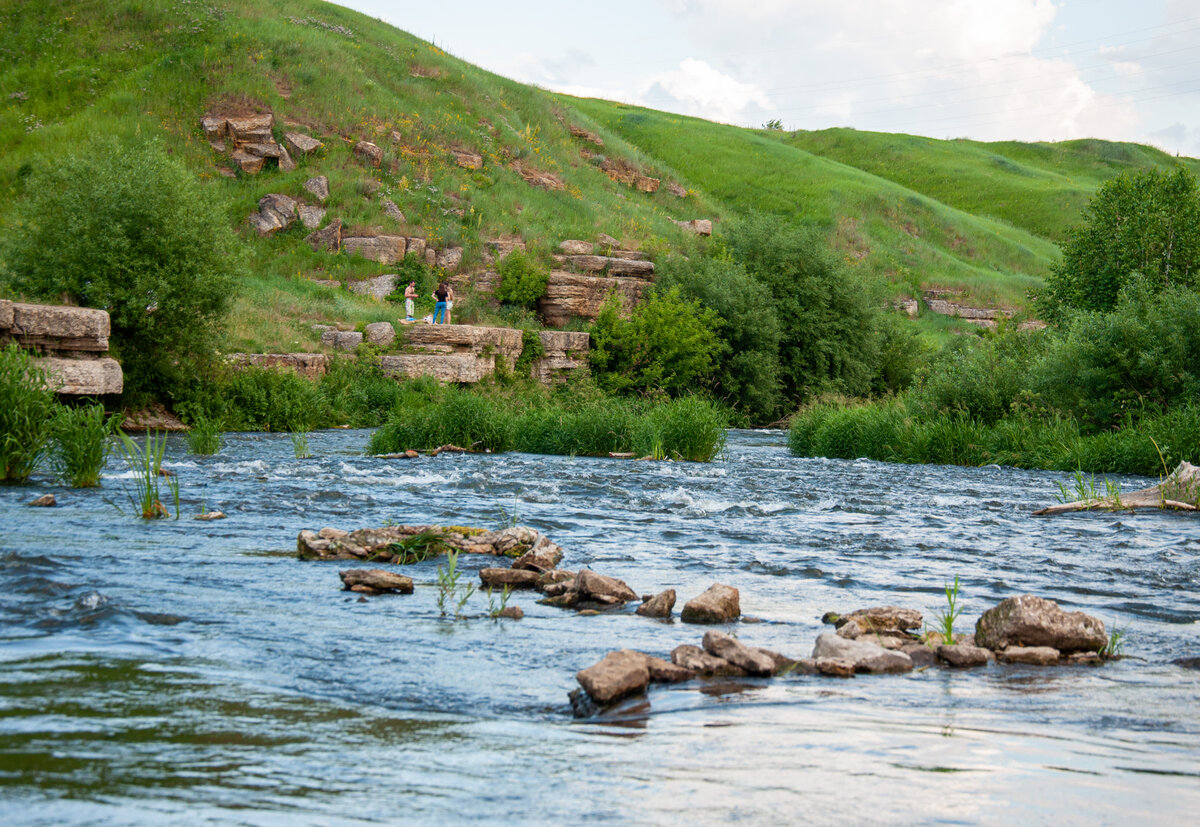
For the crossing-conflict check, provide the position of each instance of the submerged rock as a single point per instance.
(834, 667)
(513, 578)
(44, 501)
(511, 613)
(617, 676)
(874, 620)
(1034, 621)
(602, 589)
(718, 604)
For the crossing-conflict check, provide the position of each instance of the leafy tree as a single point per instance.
(124, 227)
(746, 372)
(668, 344)
(828, 318)
(1146, 223)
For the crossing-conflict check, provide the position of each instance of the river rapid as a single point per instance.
(190, 672)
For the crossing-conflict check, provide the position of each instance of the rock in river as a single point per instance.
(1034, 621)
(375, 581)
(963, 656)
(718, 604)
(866, 656)
(1034, 655)
(658, 606)
(513, 578)
(739, 654)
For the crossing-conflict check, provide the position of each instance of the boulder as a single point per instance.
(921, 655)
(467, 159)
(695, 659)
(602, 589)
(676, 190)
(280, 207)
(209, 516)
(617, 676)
(376, 580)
(286, 164)
(574, 247)
(250, 129)
(329, 238)
(739, 654)
(644, 183)
(380, 334)
(368, 153)
(318, 186)
(963, 656)
(834, 667)
(511, 613)
(581, 295)
(311, 217)
(879, 619)
(1034, 621)
(540, 559)
(300, 144)
(1034, 655)
(866, 656)
(385, 249)
(378, 288)
(633, 268)
(249, 164)
(416, 246)
(44, 501)
(264, 150)
(513, 578)
(608, 241)
(556, 578)
(83, 376)
(699, 226)
(342, 339)
(718, 604)
(658, 606)
(393, 212)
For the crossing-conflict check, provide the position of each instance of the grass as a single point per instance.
(26, 408)
(145, 462)
(300, 445)
(494, 609)
(81, 442)
(947, 616)
(204, 437)
(450, 590)
(418, 548)
(887, 431)
(1115, 648)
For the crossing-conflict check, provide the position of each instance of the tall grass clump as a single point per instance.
(205, 436)
(145, 463)
(26, 407)
(595, 428)
(688, 428)
(276, 400)
(81, 443)
(459, 418)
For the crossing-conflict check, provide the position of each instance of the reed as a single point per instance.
(26, 408)
(688, 428)
(205, 436)
(81, 443)
(145, 463)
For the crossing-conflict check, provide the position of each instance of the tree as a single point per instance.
(123, 227)
(1147, 223)
(746, 372)
(829, 338)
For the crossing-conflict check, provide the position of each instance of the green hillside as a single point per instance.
(983, 218)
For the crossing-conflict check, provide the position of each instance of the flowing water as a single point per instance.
(190, 672)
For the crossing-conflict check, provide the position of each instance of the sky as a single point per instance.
(1030, 70)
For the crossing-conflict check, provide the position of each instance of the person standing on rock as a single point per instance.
(410, 301)
(449, 302)
(439, 309)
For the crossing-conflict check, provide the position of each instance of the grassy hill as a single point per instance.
(920, 213)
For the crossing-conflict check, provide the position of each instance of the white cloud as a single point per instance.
(699, 89)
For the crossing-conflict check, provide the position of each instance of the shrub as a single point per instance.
(745, 370)
(124, 227)
(266, 399)
(668, 344)
(26, 407)
(358, 392)
(979, 377)
(522, 280)
(204, 436)
(459, 418)
(81, 442)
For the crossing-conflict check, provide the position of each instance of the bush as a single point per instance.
(522, 280)
(266, 399)
(26, 408)
(358, 392)
(123, 227)
(459, 418)
(979, 377)
(745, 372)
(1142, 357)
(668, 344)
(81, 443)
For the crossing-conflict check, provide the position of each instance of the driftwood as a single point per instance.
(1179, 491)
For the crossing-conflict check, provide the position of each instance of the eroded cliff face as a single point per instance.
(71, 344)
(468, 353)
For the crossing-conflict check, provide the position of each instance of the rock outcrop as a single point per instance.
(577, 295)
(699, 226)
(250, 141)
(469, 353)
(70, 343)
(387, 544)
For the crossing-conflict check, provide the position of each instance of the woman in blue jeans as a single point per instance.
(439, 309)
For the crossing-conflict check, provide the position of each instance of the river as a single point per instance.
(191, 672)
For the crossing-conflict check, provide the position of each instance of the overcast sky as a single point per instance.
(1124, 70)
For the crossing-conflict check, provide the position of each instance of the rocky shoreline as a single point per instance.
(1025, 629)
